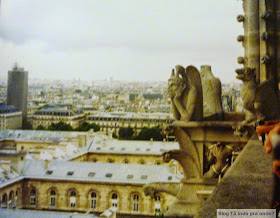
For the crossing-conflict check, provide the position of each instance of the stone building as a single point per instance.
(19, 145)
(127, 152)
(111, 122)
(10, 117)
(45, 117)
(82, 187)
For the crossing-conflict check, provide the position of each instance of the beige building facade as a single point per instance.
(11, 120)
(46, 117)
(86, 187)
(112, 122)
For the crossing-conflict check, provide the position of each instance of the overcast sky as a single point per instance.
(128, 40)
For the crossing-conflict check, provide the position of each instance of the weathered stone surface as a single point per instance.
(248, 92)
(212, 91)
(267, 102)
(247, 185)
(185, 91)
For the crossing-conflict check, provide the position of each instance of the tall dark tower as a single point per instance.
(18, 89)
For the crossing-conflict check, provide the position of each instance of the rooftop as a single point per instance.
(6, 213)
(5, 109)
(99, 172)
(114, 146)
(58, 112)
(134, 115)
(37, 135)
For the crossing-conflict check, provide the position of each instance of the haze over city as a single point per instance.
(126, 40)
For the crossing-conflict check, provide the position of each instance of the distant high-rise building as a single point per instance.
(18, 89)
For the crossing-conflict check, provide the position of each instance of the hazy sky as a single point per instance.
(128, 40)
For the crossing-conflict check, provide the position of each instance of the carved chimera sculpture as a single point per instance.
(248, 92)
(260, 93)
(212, 92)
(194, 137)
(184, 89)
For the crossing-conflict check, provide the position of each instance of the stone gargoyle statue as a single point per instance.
(185, 92)
(261, 101)
(186, 97)
(248, 93)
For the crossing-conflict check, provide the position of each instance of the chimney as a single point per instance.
(47, 164)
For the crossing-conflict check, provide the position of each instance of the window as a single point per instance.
(52, 198)
(11, 199)
(49, 172)
(93, 200)
(109, 175)
(91, 174)
(144, 177)
(157, 204)
(32, 197)
(135, 202)
(169, 178)
(114, 200)
(125, 161)
(70, 173)
(110, 160)
(123, 149)
(130, 176)
(4, 200)
(72, 199)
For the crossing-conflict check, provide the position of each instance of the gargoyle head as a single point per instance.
(176, 84)
(246, 74)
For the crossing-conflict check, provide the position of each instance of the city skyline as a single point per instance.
(130, 41)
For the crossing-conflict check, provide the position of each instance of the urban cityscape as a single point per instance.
(134, 109)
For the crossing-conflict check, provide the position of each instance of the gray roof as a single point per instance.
(114, 146)
(37, 135)
(7, 213)
(7, 176)
(99, 172)
(134, 115)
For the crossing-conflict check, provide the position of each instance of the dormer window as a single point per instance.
(91, 174)
(109, 175)
(49, 172)
(144, 177)
(70, 173)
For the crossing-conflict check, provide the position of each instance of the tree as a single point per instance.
(40, 127)
(61, 126)
(150, 133)
(87, 126)
(126, 133)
